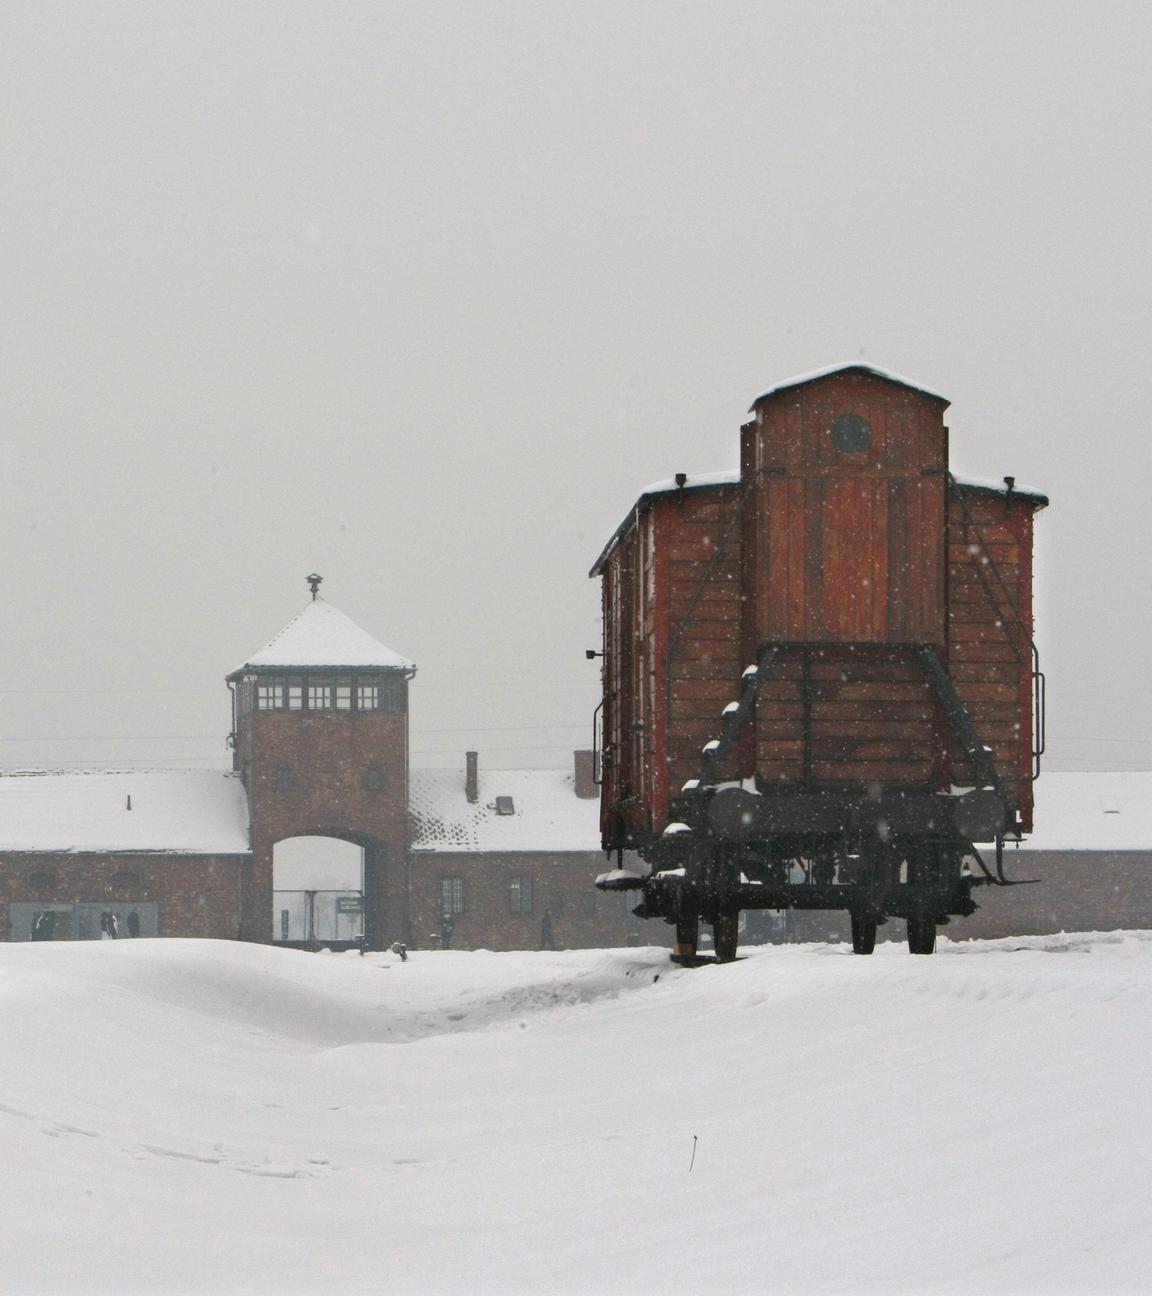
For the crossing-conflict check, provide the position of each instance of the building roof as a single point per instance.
(321, 635)
(1093, 812)
(548, 815)
(846, 367)
(202, 812)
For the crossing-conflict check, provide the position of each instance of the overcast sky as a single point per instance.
(420, 296)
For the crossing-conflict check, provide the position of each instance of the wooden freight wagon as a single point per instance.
(820, 684)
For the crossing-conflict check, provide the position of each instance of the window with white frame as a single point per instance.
(269, 695)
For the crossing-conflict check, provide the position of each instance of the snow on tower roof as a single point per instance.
(182, 812)
(322, 635)
(845, 366)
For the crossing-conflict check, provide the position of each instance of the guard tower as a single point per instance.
(320, 738)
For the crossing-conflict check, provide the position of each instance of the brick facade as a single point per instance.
(328, 774)
(500, 913)
(196, 895)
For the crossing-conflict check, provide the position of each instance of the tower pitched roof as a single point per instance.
(321, 635)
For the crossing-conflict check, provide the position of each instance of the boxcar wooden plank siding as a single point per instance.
(990, 627)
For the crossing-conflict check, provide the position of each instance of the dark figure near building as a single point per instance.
(133, 923)
(43, 925)
(547, 940)
(109, 925)
(447, 927)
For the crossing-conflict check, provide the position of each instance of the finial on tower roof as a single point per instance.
(314, 585)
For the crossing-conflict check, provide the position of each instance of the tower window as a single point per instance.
(320, 693)
(282, 779)
(374, 779)
(380, 695)
(269, 695)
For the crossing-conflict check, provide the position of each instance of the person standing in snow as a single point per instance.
(547, 941)
(447, 927)
(109, 925)
(133, 923)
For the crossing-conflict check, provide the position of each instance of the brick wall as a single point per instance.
(582, 917)
(329, 773)
(198, 895)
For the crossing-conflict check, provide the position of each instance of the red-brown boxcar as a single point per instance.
(820, 682)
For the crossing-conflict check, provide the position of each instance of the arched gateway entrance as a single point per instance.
(317, 891)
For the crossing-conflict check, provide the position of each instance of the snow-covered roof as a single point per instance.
(845, 366)
(1000, 488)
(324, 636)
(1093, 812)
(666, 486)
(693, 481)
(548, 815)
(202, 812)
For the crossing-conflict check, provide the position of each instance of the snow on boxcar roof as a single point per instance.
(202, 812)
(1001, 488)
(324, 636)
(845, 366)
(666, 486)
(546, 813)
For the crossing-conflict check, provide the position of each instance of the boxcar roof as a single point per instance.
(1038, 498)
(844, 367)
(666, 486)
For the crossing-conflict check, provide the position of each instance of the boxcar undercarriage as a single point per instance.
(876, 853)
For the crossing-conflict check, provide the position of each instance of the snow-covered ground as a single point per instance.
(214, 1117)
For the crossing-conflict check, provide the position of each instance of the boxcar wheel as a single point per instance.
(687, 935)
(726, 936)
(863, 931)
(921, 935)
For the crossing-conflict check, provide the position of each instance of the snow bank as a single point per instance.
(191, 1116)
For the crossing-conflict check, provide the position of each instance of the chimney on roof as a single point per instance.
(472, 776)
(586, 774)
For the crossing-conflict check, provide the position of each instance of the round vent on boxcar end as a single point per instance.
(851, 433)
